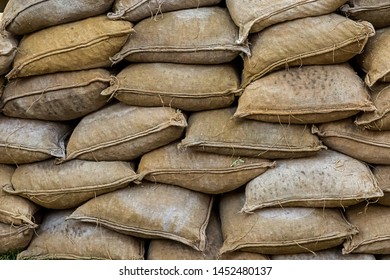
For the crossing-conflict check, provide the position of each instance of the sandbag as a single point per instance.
(193, 36)
(382, 175)
(198, 171)
(329, 254)
(2, 85)
(287, 230)
(253, 16)
(326, 39)
(308, 94)
(8, 46)
(26, 141)
(58, 238)
(181, 86)
(121, 132)
(240, 137)
(135, 10)
(56, 97)
(69, 184)
(26, 16)
(79, 45)
(15, 238)
(153, 211)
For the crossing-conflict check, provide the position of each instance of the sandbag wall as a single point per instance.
(202, 129)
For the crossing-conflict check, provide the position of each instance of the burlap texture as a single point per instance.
(328, 254)
(14, 238)
(382, 175)
(8, 47)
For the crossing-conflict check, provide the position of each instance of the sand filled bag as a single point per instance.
(56, 97)
(181, 86)
(193, 36)
(69, 184)
(382, 175)
(153, 211)
(15, 238)
(79, 45)
(8, 47)
(308, 94)
(328, 254)
(326, 39)
(58, 238)
(242, 137)
(121, 132)
(203, 172)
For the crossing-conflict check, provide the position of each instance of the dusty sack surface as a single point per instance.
(14, 238)
(8, 47)
(382, 175)
(328, 254)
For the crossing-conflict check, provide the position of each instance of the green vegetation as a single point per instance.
(9, 256)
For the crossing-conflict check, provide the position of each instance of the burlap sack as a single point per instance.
(198, 171)
(121, 132)
(181, 86)
(135, 10)
(328, 254)
(26, 16)
(241, 137)
(329, 179)
(288, 230)
(26, 141)
(56, 97)
(346, 137)
(327, 39)
(79, 45)
(2, 85)
(15, 238)
(253, 16)
(374, 11)
(382, 175)
(372, 221)
(69, 184)
(194, 36)
(8, 46)
(57, 238)
(152, 211)
(308, 94)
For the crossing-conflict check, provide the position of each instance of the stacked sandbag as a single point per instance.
(8, 46)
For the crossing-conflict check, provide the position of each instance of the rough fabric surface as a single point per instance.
(382, 175)
(8, 46)
(329, 254)
(15, 238)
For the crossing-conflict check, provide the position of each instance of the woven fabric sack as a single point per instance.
(308, 94)
(241, 137)
(79, 45)
(121, 132)
(8, 46)
(193, 36)
(382, 175)
(70, 184)
(287, 230)
(58, 238)
(26, 141)
(153, 211)
(15, 238)
(253, 16)
(326, 39)
(26, 16)
(56, 97)
(198, 171)
(328, 254)
(136, 10)
(181, 86)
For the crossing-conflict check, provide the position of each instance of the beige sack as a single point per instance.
(382, 175)
(308, 94)
(2, 85)
(79, 45)
(15, 238)
(152, 211)
(121, 132)
(240, 137)
(193, 36)
(327, 39)
(8, 46)
(181, 86)
(198, 171)
(57, 97)
(329, 255)
(57, 238)
(69, 184)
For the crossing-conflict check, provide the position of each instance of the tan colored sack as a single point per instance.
(79, 45)
(69, 184)
(2, 85)
(193, 36)
(152, 211)
(8, 46)
(329, 179)
(15, 238)
(57, 97)
(240, 137)
(254, 16)
(135, 10)
(329, 254)
(327, 39)
(346, 137)
(198, 171)
(181, 86)
(287, 230)
(121, 132)
(57, 238)
(308, 94)
(26, 141)
(382, 175)
(26, 16)
(372, 222)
